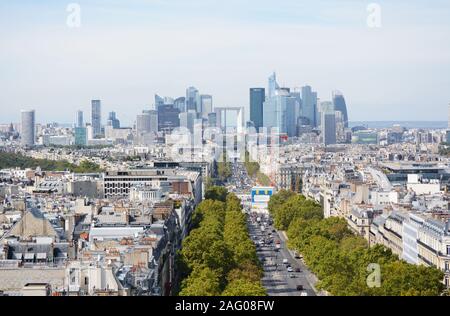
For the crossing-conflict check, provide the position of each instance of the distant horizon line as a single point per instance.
(350, 121)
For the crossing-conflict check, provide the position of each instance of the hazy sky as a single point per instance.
(126, 51)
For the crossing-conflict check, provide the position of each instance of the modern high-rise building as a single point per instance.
(81, 136)
(212, 119)
(168, 118)
(279, 112)
(341, 106)
(80, 119)
(290, 117)
(28, 128)
(113, 121)
(296, 93)
(147, 122)
(328, 123)
(158, 101)
(180, 104)
(206, 105)
(192, 99)
(96, 117)
(257, 99)
(273, 85)
(309, 106)
(280, 109)
(187, 120)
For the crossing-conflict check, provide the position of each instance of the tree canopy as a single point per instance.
(14, 160)
(219, 252)
(342, 260)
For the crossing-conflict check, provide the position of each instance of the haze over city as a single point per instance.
(125, 53)
(216, 155)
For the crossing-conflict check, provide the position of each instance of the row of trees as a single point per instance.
(13, 160)
(342, 261)
(253, 170)
(218, 257)
(224, 168)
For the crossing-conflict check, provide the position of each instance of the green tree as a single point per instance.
(203, 281)
(244, 287)
(216, 193)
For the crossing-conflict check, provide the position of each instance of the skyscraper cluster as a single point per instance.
(293, 111)
(290, 111)
(184, 111)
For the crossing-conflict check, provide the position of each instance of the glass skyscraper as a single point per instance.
(206, 105)
(309, 106)
(168, 117)
(96, 117)
(341, 106)
(81, 136)
(257, 99)
(192, 99)
(113, 121)
(328, 123)
(273, 85)
(80, 119)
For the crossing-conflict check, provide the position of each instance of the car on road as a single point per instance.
(304, 294)
(289, 269)
(299, 287)
(298, 270)
(285, 261)
(292, 276)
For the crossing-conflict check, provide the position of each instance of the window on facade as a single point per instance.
(448, 249)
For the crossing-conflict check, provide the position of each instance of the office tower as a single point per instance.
(81, 136)
(340, 126)
(212, 119)
(80, 119)
(158, 101)
(279, 112)
(273, 85)
(113, 121)
(309, 106)
(147, 122)
(28, 128)
(296, 93)
(180, 104)
(341, 106)
(168, 100)
(168, 118)
(206, 105)
(96, 117)
(187, 119)
(290, 118)
(257, 99)
(89, 131)
(192, 99)
(328, 123)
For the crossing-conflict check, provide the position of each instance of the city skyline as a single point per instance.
(332, 48)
